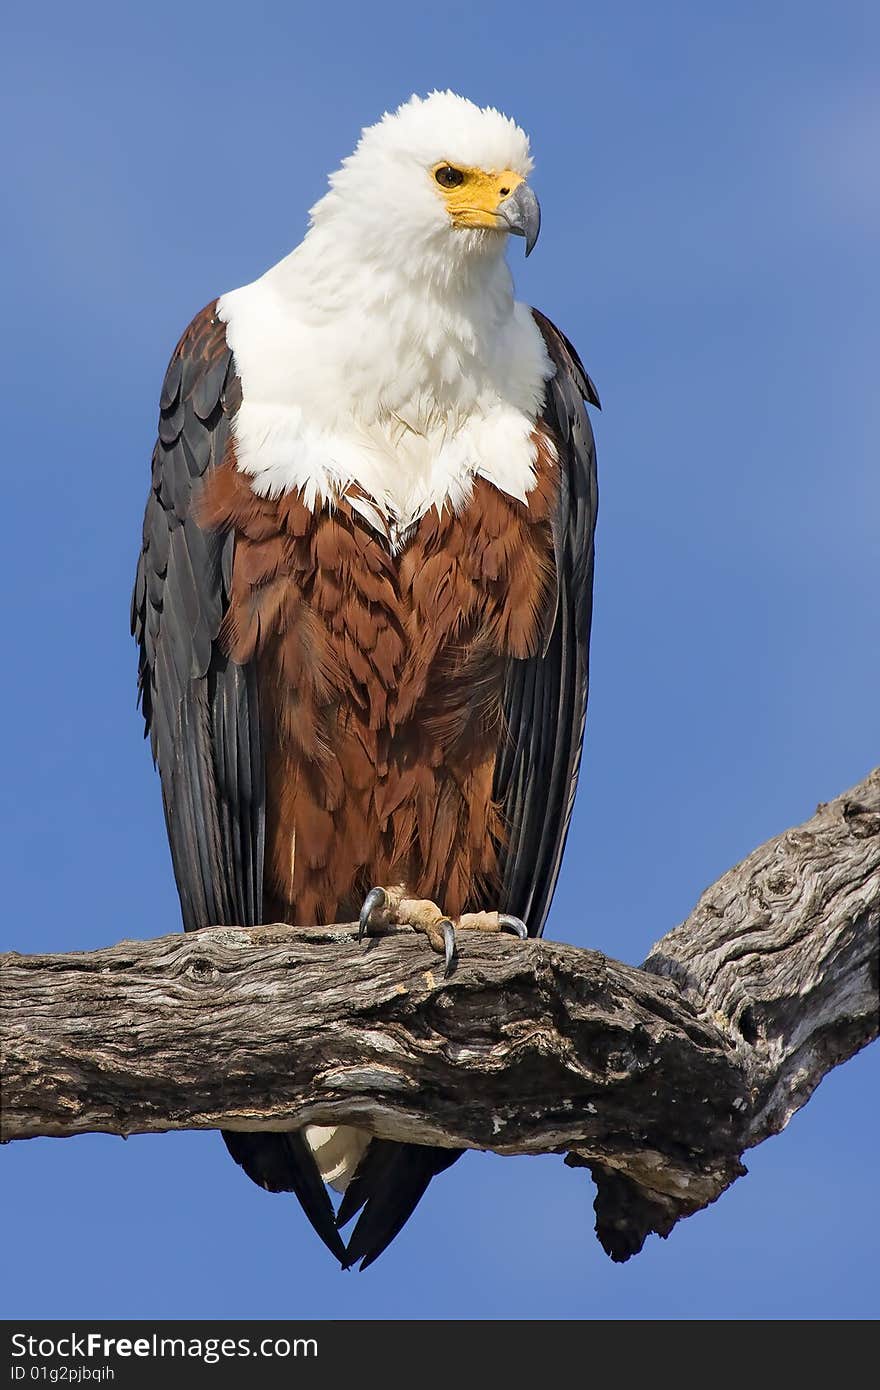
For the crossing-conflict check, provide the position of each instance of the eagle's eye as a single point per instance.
(448, 177)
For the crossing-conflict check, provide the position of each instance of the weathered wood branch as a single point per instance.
(658, 1079)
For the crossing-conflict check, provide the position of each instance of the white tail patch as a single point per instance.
(338, 1149)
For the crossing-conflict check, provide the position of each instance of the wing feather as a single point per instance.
(201, 710)
(545, 697)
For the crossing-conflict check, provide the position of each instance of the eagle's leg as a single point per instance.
(384, 907)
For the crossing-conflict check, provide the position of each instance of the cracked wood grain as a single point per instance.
(657, 1079)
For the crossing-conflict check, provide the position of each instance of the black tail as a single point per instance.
(389, 1183)
(284, 1163)
(387, 1187)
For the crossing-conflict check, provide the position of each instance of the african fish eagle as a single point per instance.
(364, 596)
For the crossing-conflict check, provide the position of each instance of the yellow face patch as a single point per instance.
(473, 200)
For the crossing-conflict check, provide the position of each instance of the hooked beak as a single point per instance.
(522, 213)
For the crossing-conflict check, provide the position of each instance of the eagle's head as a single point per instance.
(438, 177)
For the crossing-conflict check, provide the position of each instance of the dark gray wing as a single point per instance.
(201, 710)
(545, 697)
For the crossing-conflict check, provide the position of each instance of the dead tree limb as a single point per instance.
(657, 1079)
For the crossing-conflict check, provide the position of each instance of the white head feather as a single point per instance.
(387, 348)
(383, 198)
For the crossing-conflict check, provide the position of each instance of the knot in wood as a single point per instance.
(779, 882)
(202, 971)
(862, 821)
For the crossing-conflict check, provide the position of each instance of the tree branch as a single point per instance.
(657, 1079)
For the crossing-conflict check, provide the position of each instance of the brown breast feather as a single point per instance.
(381, 681)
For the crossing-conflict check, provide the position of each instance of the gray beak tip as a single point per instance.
(522, 213)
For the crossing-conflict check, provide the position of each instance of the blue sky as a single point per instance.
(708, 176)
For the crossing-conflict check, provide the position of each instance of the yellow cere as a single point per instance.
(474, 202)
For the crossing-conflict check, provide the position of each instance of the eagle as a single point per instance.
(364, 596)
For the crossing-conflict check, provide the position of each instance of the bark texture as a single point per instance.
(657, 1079)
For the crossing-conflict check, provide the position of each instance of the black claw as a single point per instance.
(513, 924)
(375, 898)
(449, 947)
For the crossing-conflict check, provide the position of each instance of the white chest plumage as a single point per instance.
(408, 397)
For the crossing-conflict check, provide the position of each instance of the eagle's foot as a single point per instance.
(492, 921)
(386, 907)
(390, 907)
